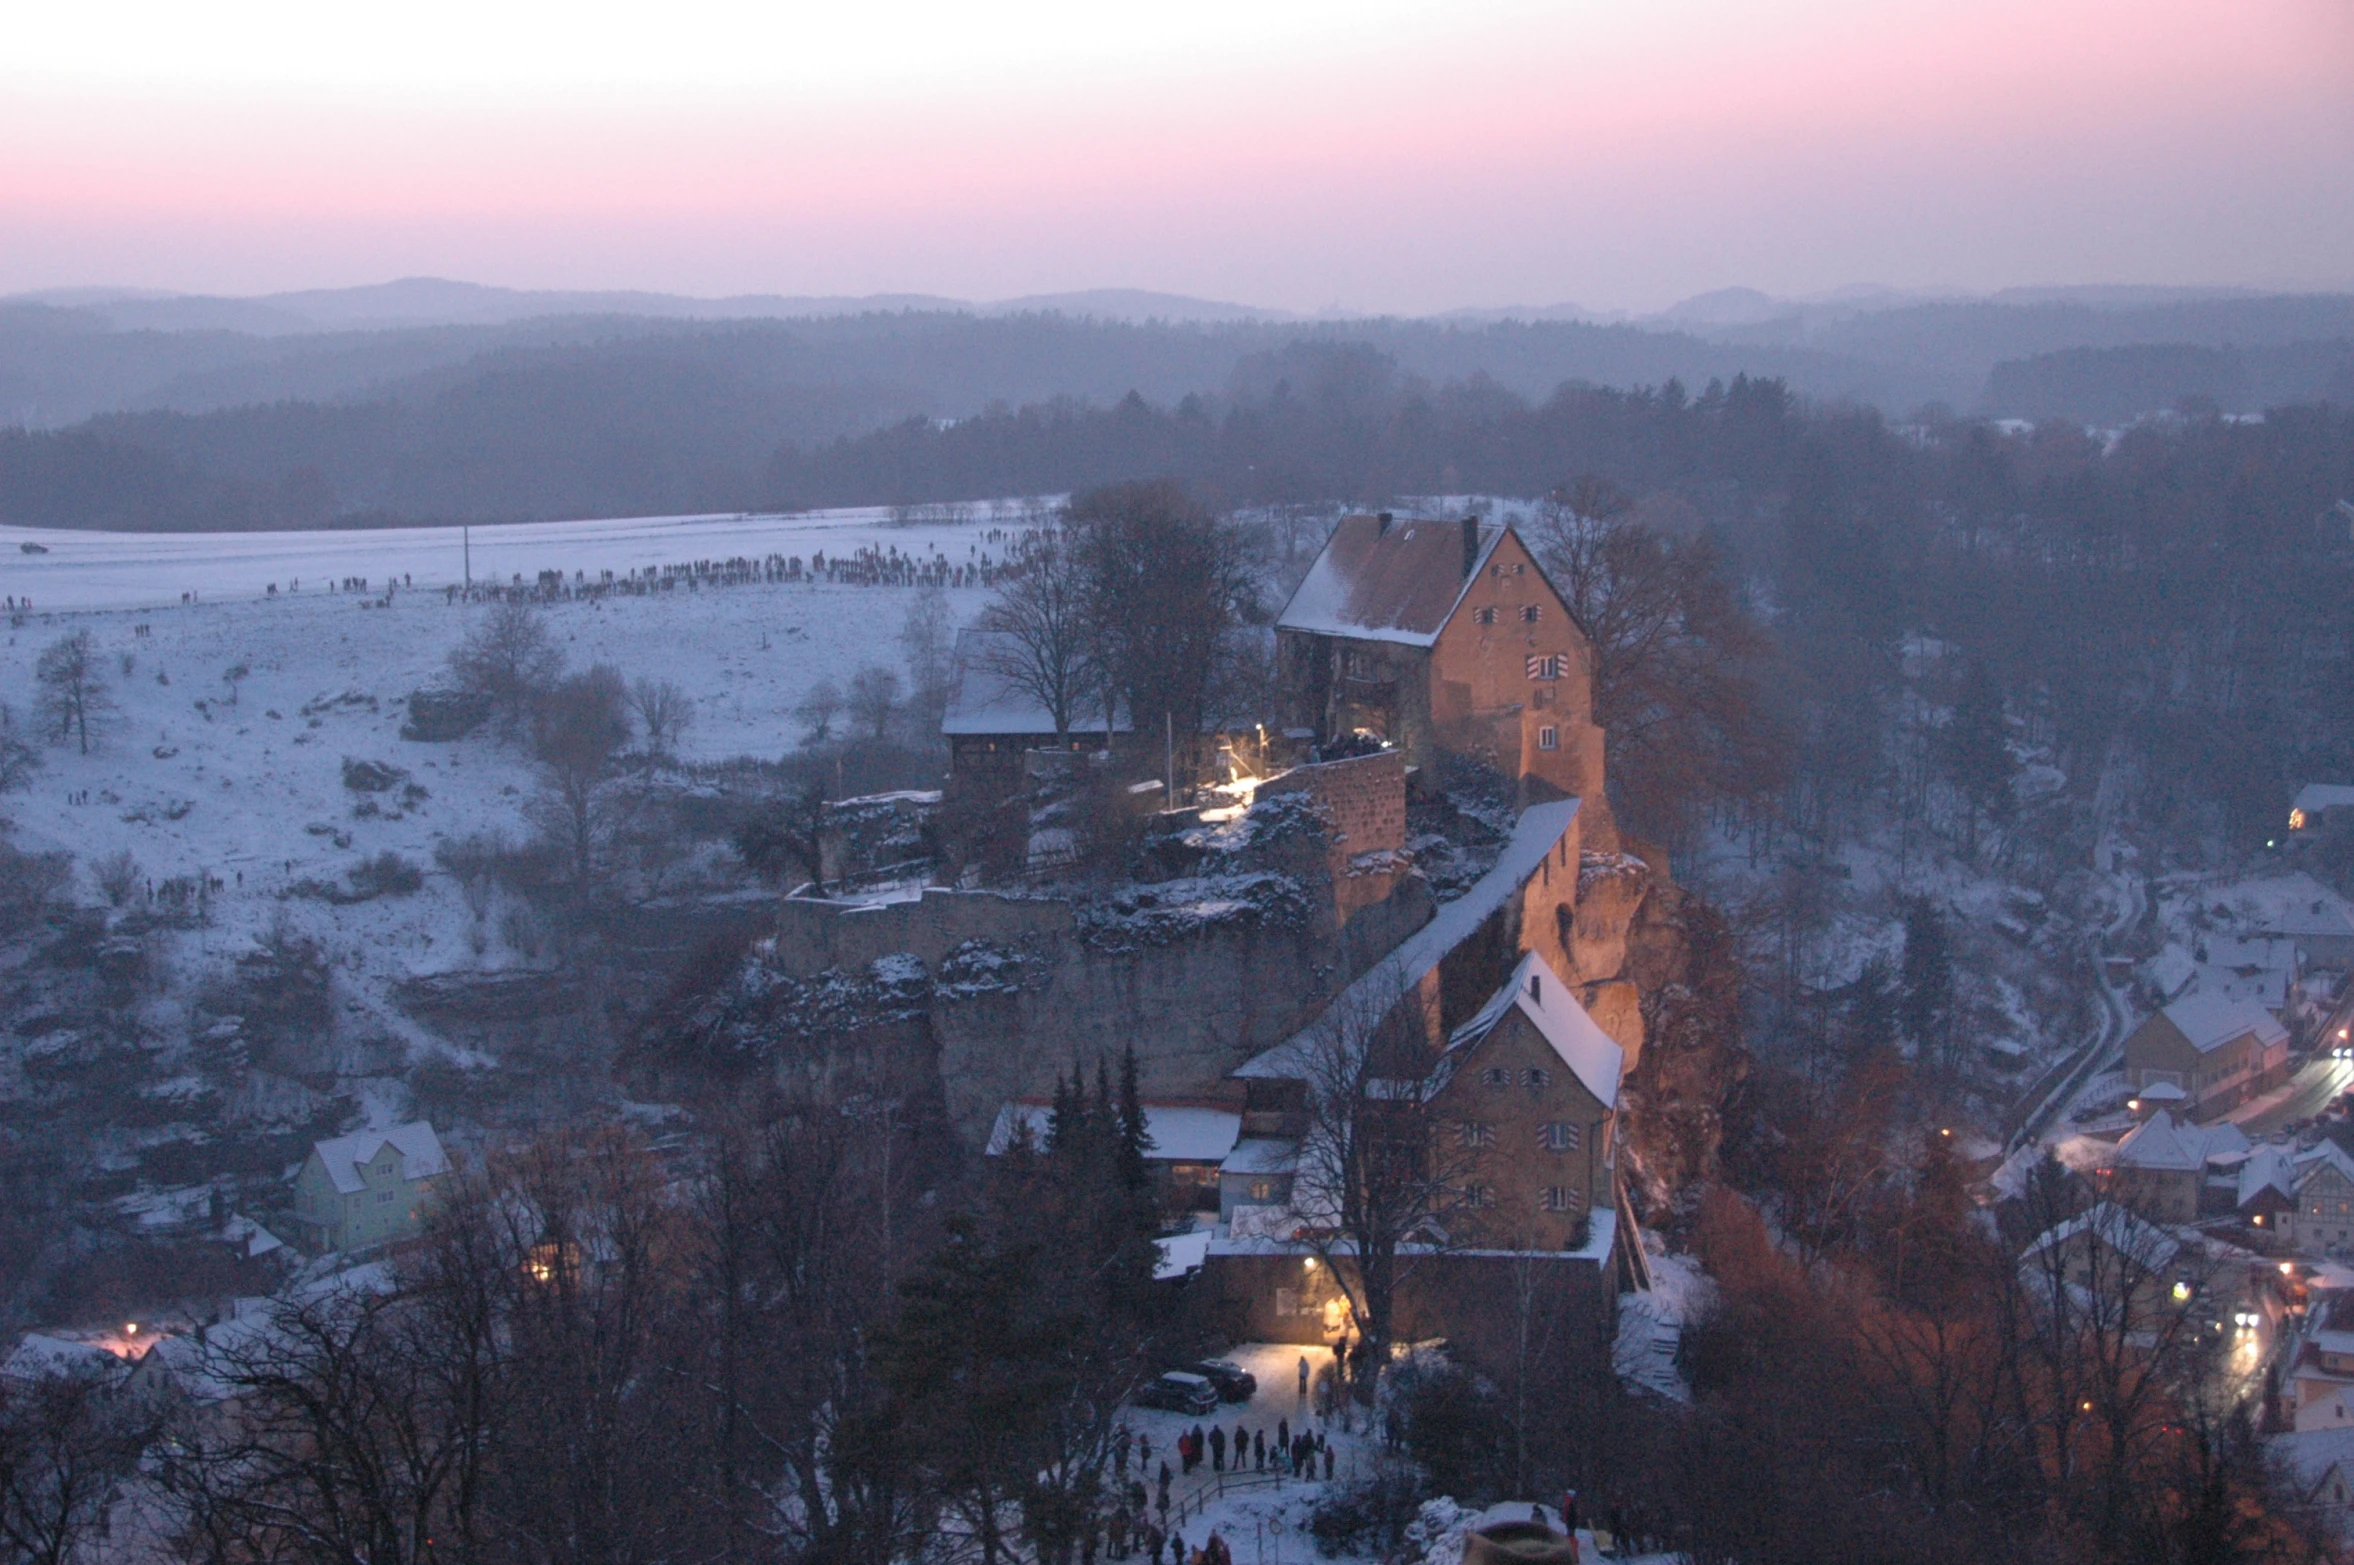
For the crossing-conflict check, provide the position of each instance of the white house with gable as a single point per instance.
(368, 1188)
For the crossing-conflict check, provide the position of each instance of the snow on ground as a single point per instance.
(88, 570)
(246, 787)
(1263, 1520)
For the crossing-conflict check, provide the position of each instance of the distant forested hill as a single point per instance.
(575, 416)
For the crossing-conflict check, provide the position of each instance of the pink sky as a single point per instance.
(1305, 153)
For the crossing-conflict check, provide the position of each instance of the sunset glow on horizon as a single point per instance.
(1370, 156)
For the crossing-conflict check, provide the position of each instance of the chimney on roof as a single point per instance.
(1384, 518)
(1470, 544)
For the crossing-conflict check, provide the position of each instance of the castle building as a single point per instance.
(1442, 638)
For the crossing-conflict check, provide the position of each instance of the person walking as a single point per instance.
(1217, 1449)
(1282, 1434)
(1303, 1377)
(1328, 1463)
(1259, 1450)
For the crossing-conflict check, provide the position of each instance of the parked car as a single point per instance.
(1179, 1391)
(1232, 1382)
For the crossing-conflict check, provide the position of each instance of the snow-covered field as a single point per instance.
(91, 570)
(246, 787)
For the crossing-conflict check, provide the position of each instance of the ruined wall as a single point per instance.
(812, 935)
(1363, 799)
(1012, 990)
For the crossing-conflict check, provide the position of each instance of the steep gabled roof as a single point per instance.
(2164, 1142)
(1395, 976)
(420, 1150)
(1537, 992)
(1397, 581)
(2145, 1243)
(2210, 1022)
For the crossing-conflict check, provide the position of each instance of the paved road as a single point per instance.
(2310, 1091)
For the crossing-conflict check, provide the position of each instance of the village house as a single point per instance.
(1532, 1081)
(2163, 1169)
(1442, 637)
(2321, 807)
(368, 1188)
(2321, 1219)
(2317, 1391)
(2141, 1279)
(2206, 1053)
(2320, 1461)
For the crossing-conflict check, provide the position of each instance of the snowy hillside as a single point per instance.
(243, 785)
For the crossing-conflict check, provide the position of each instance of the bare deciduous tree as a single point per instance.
(927, 638)
(1675, 655)
(817, 711)
(510, 657)
(874, 696)
(66, 1442)
(583, 722)
(1378, 1181)
(1043, 629)
(73, 692)
(663, 709)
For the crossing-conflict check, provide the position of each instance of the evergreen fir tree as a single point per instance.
(1135, 1140)
(1928, 982)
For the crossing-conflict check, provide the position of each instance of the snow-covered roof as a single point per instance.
(1180, 1255)
(2163, 1142)
(2322, 1154)
(983, 701)
(1262, 1155)
(2312, 1453)
(1180, 1132)
(2171, 971)
(1398, 580)
(2211, 1021)
(249, 1237)
(1537, 992)
(2162, 1092)
(2313, 798)
(41, 1354)
(1539, 830)
(2295, 905)
(2120, 1230)
(419, 1149)
(2268, 1167)
(2259, 953)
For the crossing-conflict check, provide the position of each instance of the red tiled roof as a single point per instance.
(1395, 583)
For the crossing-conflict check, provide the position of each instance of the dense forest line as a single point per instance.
(599, 416)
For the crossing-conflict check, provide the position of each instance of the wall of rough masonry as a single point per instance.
(1017, 989)
(1364, 799)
